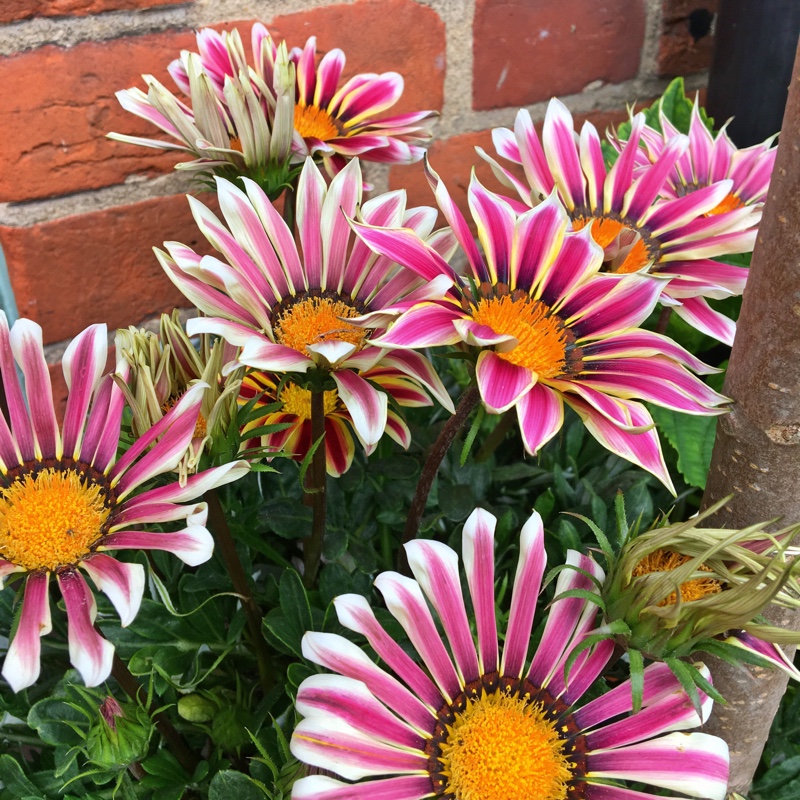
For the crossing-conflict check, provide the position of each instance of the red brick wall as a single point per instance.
(79, 213)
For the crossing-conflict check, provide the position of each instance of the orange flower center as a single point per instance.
(312, 122)
(317, 319)
(605, 231)
(730, 203)
(51, 519)
(297, 400)
(501, 747)
(666, 561)
(541, 337)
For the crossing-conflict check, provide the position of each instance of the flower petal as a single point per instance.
(123, 582)
(367, 406)
(22, 666)
(89, 652)
(501, 383)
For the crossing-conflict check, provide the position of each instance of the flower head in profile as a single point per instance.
(239, 118)
(466, 721)
(289, 312)
(547, 327)
(66, 499)
(676, 238)
(707, 160)
(267, 389)
(682, 588)
(162, 366)
(337, 122)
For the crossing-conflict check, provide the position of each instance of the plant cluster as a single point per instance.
(345, 411)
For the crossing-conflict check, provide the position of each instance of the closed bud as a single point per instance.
(120, 736)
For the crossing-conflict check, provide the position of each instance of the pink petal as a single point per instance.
(501, 383)
(425, 325)
(17, 409)
(541, 414)
(321, 787)
(84, 362)
(697, 312)
(407, 605)
(342, 656)
(344, 194)
(562, 154)
(367, 406)
(693, 763)
(89, 652)
(340, 698)
(121, 581)
(311, 191)
(260, 353)
(527, 583)
(435, 566)
(22, 667)
(478, 553)
(192, 545)
(330, 744)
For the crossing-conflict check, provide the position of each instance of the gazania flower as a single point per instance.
(289, 314)
(548, 329)
(162, 366)
(708, 160)
(482, 724)
(338, 123)
(66, 500)
(239, 121)
(671, 238)
(679, 588)
(296, 412)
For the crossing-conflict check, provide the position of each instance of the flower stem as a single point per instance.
(186, 756)
(315, 486)
(440, 447)
(663, 319)
(224, 539)
(289, 196)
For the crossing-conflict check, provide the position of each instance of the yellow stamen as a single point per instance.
(312, 122)
(604, 230)
(317, 319)
(729, 203)
(666, 561)
(297, 401)
(541, 336)
(504, 748)
(51, 519)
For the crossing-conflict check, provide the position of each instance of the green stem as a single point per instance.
(437, 453)
(315, 485)
(663, 319)
(187, 758)
(222, 535)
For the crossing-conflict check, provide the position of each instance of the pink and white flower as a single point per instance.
(674, 238)
(548, 328)
(708, 160)
(340, 122)
(487, 722)
(239, 118)
(297, 439)
(289, 312)
(66, 499)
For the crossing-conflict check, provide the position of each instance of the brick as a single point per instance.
(526, 52)
(368, 33)
(98, 267)
(454, 158)
(679, 53)
(62, 105)
(13, 10)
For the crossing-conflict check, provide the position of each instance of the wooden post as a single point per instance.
(757, 452)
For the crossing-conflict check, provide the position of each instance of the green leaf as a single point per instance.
(51, 718)
(637, 679)
(693, 439)
(289, 623)
(229, 784)
(288, 518)
(15, 783)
